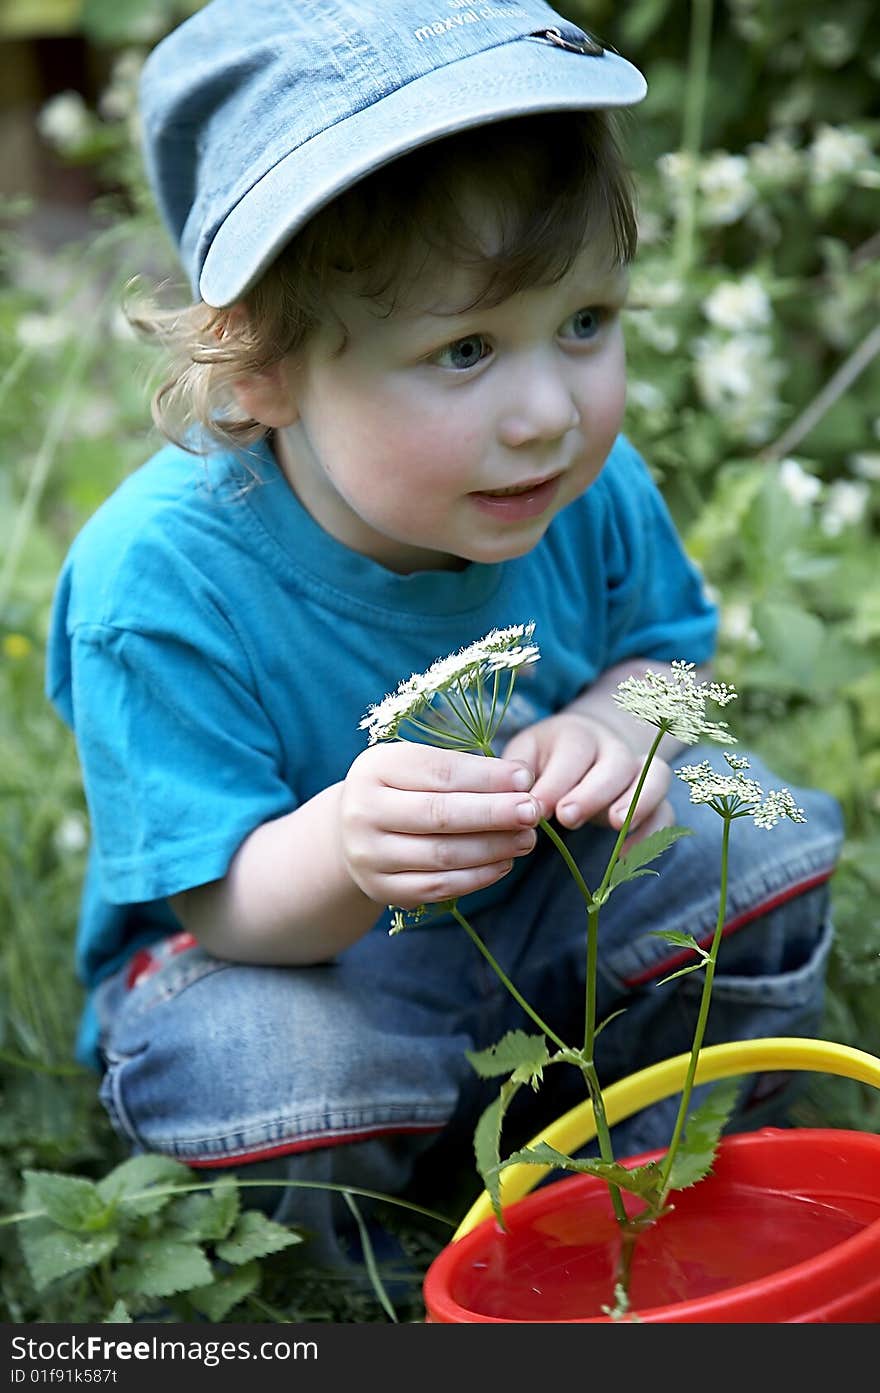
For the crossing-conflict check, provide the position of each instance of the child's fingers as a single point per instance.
(407, 765)
(412, 888)
(395, 854)
(444, 814)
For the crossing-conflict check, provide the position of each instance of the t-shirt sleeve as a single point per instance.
(179, 761)
(657, 603)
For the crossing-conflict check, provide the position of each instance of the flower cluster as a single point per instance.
(675, 702)
(737, 795)
(501, 650)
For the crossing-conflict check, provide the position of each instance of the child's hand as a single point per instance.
(420, 824)
(587, 773)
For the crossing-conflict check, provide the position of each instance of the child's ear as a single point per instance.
(268, 396)
(265, 396)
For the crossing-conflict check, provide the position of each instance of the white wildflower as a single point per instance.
(647, 395)
(737, 625)
(71, 835)
(502, 650)
(847, 501)
(656, 332)
(43, 332)
(737, 795)
(801, 487)
(64, 122)
(866, 464)
(737, 377)
(777, 161)
(740, 304)
(836, 151)
(675, 702)
(118, 101)
(726, 188)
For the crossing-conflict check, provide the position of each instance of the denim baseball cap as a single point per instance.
(257, 113)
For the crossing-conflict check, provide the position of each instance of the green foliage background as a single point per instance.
(755, 381)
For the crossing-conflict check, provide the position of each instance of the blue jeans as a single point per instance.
(354, 1071)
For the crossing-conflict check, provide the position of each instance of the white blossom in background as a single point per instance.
(646, 395)
(43, 332)
(777, 161)
(837, 150)
(647, 289)
(802, 488)
(737, 377)
(738, 795)
(737, 305)
(118, 101)
(654, 330)
(736, 624)
(845, 505)
(726, 188)
(866, 464)
(675, 702)
(71, 835)
(65, 122)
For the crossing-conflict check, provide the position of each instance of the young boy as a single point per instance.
(399, 395)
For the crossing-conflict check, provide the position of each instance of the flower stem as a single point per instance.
(504, 979)
(700, 1028)
(699, 53)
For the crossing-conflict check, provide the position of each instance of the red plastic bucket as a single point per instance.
(785, 1229)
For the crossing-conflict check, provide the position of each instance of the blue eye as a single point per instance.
(583, 324)
(463, 354)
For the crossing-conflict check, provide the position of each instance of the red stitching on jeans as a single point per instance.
(146, 961)
(239, 1158)
(686, 954)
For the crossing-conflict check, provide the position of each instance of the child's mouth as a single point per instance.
(519, 501)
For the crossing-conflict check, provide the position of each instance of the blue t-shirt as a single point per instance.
(213, 650)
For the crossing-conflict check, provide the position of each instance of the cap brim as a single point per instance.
(514, 79)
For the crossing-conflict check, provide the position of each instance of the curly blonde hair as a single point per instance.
(556, 179)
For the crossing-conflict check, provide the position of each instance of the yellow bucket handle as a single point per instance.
(576, 1127)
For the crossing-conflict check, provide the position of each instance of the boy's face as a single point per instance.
(430, 440)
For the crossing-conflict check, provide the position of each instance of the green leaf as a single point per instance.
(69, 1200)
(487, 1142)
(218, 1298)
(681, 940)
(520, 1055)
(641, 1180)
(137, 1174)
(696, 1152)
(207, 1218)
(253, 1236)
(648, 849)
(51, 1253)
(161, 1267)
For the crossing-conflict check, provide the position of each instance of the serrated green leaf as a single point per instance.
(126, 1181)
(118, 1314)
(487, 1142)
(51, 1253)
(681, 940)
(161, 1267)
(703, 1128)
(207, 1218)
(69, 1200)
(682, 972)
(217, 1300)
(640, 1180)
(520, 1055)
(254, 1236)
(648, 849)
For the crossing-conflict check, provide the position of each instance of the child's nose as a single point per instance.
(541, 408)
